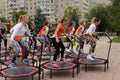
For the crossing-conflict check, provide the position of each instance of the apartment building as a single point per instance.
(81, 5)
(3, 8)
(47, 7)
(105, 2)
(30, 7)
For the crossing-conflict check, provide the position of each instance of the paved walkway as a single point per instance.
(94, 72)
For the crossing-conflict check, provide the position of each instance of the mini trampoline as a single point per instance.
(61, 66)
(96, 61)
(71, 54)
(23, 71)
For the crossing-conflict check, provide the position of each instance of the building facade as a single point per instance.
(47, 7)
(52, 9)
(30, 8)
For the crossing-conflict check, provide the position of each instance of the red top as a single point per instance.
(43, 31)
(80, 30)
(60, 31)
(70, 30)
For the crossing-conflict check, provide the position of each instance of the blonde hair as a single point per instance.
(20, 19)
(93, 19)
(62, 19)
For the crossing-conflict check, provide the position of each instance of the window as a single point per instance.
(51, 1)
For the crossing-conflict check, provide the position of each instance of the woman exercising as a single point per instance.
(16, 41)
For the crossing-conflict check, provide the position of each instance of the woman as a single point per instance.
(16, 41)
(91, 34)
(33, 39)
(57, 42)
(70, 33)
(79, 33)
(3, 36)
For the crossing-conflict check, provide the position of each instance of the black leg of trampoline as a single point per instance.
(39, 74)
(85, 67)
(32, 77)
(5, 78)
(51, 74)
(79, 68)
(0, 66)
(105, 67)
(73, 73)
(42, 74)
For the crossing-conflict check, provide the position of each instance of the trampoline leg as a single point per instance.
(73, 73)
(105, 67)
(43, 74)
(78, 68)
(5, 78)
(51, 74)
(0, 66)
(32, 77)
(85, 68)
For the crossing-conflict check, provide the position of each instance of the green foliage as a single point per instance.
(3, 19)
(115, 15)
(17, 14)
(73, 15)
(100, 12)
(39, 20)
(116, 39)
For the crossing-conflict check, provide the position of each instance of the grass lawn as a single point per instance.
(116, 39)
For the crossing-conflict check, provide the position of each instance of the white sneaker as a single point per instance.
(90, 57)
(75, 51)
(68, 50)
(93, 55)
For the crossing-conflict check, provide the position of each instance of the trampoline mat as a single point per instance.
(19, 72)
(82, 55)
(61, 65)
(92, 62)
(18, 61)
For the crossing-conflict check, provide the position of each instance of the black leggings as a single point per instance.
(34, 41)
(58, 46)
(5, 41)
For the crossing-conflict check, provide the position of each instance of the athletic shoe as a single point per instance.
(67, 50)
(62, 59)
(12, 66)
(55, 64)
(93, 55)
(26, 61)
(75, 51)
(90, 57)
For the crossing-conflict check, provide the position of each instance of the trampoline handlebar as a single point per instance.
(109, 46)
(108, 37)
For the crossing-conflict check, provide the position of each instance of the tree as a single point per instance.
(3, 19)
(115, 15)
(100, 12)
(16, 15)
(39, 20)
(73, 15)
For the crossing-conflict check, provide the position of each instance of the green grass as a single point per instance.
(116, 39)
